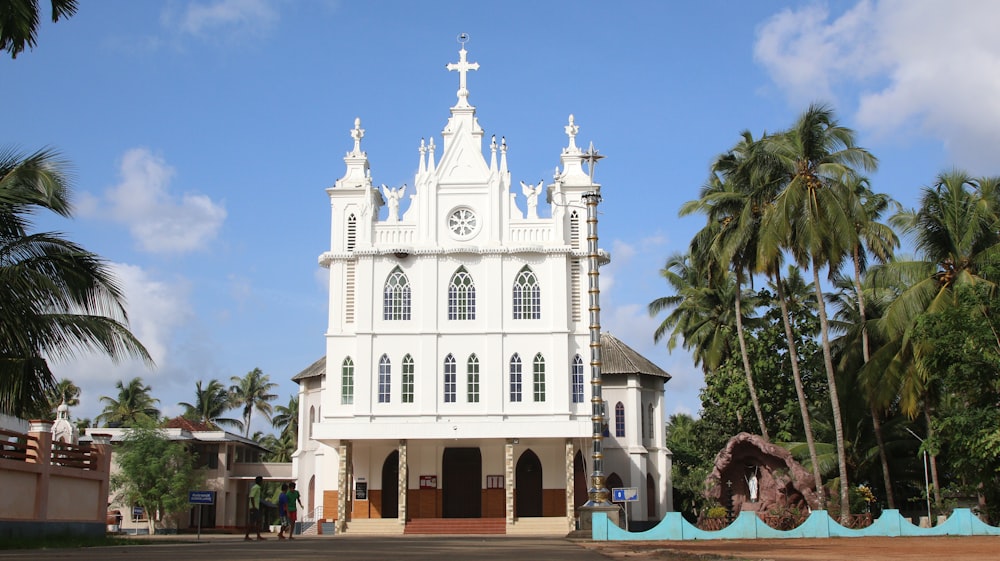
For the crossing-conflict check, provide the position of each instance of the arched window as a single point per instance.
(407, 396)
(515, 378)
(651, 421)
(577, 379)
(619, 419)
(527, 295)
(312, 419)
(574, 230)
(352, 232)
(347, 382)
(449, 378)
(396, 296)
(461, 296)
(538, 369)
(384, 379)
(472, 371)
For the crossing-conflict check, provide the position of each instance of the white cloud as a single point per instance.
(157, 310)
(233, 16)
(912, 65)
(159, 220)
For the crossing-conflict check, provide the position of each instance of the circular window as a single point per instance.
(463, 222)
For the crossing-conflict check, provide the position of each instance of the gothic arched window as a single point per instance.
(461, 296)
(347, 382)
(449, 378)
(577, 379)
(384, 379)
(396, 296)
(527, 295)
(407, 393)
(619, 419)
(515, 378)
(538, 370)
(472, 371)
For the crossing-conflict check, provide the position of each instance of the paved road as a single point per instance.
(341, 548)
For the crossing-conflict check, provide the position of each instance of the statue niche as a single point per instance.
(754, 475)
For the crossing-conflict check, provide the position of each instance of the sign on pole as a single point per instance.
(625, 495)
(201, 498)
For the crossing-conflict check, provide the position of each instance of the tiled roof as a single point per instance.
(619, 358)
(317, 368)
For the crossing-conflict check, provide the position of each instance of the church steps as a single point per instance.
(374, 527)
(456, 526)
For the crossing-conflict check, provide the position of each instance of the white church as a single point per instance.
(456, 378)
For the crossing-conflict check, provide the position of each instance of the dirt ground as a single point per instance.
(945, 548)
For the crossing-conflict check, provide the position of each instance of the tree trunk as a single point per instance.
(793, 357)
(746, 359)
(935, 482)
(838, 424)
(866, 353)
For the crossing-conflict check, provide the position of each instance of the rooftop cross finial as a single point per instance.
(571, 130)
(463, 66)
(357, 134)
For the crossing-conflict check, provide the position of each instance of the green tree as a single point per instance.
(58, 300)
(210, 404)
(153, 472)
(19, 20)
(134, 406)
(253, 393)
(809, 219)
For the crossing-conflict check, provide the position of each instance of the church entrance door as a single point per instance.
(390, 486)
(461, 485)
(528, 485)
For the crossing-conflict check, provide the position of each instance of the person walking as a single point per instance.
(283, 511)
(253, 520)
(294, 502)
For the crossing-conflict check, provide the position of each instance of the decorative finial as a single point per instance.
(357, 134)
(462, 66)
(571, 130)
(591, 157)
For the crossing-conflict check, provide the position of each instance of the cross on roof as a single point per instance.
(463, 66)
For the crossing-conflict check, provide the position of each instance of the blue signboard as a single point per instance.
(201, 497)
(624, 494)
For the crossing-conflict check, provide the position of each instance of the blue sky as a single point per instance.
(203, 134)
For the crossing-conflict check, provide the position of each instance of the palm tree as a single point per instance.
(134, 405)
(19, 22)
(210, 404)
(58, 299)
(65, 391)
(252, 392)
(956, 232)
(286, 419)
(809, 219)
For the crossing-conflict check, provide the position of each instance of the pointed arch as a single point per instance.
(619, 419)
(352, 232)
(407, 385)
(390, 486)
(384, 379)
(450, 375)
(472, 379)
(347, 382)
(527, 295)
(538, 378)
(515, 378)
(650, 497)
(461, 296)
(576, 377)
(396, 296)
(528, 485)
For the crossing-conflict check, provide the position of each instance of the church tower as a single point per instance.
(454, 379)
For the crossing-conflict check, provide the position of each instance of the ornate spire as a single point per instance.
(571, 130)
(462, 66)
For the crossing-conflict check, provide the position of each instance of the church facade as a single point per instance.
(456, 381)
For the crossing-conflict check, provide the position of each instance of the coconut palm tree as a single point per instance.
(956, 232)
(19, 20)
(134, 405)
(809, 218)
(286, 418)
(210, 404)
(58, 300)
(253, 392)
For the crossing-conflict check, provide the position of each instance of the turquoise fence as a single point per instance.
(819, 525)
